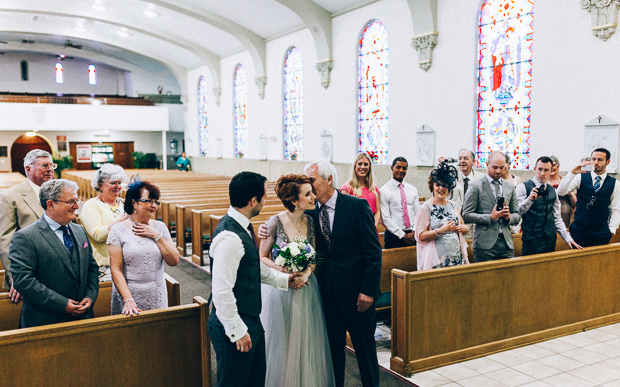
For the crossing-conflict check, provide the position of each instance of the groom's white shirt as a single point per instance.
(228, 250)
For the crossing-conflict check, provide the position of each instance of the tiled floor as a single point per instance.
(590, 358)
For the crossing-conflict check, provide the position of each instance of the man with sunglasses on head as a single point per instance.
(20, 207)
(598, 200)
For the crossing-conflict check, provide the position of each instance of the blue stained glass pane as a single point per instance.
(373, 92)
(505, 80)
(293, 105)
(202, 116)
(240, 98)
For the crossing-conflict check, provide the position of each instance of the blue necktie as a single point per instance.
(597, 185)
(66, 237)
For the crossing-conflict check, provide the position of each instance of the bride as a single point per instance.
(296, 344)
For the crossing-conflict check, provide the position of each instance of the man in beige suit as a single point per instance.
(20, 207)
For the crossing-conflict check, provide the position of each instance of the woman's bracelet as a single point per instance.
(158, 237)
(437, 235)
(127, 300)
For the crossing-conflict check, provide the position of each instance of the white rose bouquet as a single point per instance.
(294, 256)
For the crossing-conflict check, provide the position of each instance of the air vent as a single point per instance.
(26, 41)
(35, 18)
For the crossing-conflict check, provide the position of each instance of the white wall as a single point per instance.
(574, 80)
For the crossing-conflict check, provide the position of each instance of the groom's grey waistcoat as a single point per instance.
(247, 285)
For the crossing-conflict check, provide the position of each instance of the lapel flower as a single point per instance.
(85, 244)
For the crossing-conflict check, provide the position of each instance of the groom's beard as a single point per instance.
(255, 211)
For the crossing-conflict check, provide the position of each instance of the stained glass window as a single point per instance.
(58, 72)
(293, 105)
(92, 75)
(373, 92)
(240, 98)
(202, 115)
(505, 80)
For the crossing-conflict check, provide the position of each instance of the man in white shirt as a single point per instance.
(598, 201)
(399, 206)
(539, 205)
(237, 272)
(20, 207)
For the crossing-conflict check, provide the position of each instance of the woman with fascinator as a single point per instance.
(138, 248)
(439, 228)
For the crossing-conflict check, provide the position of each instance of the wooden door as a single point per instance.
(122, 154)
(21, 147)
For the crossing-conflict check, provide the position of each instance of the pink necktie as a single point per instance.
(403, 200)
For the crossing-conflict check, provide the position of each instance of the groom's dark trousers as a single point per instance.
(352, 265)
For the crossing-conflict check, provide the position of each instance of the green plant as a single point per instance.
(64, 162)
(145, 160)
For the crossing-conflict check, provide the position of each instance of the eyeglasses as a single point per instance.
(47, 166)
(69, 202)
(149, 201)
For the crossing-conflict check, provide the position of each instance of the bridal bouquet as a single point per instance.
(295, 256)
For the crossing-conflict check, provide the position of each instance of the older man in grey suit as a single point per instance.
(52, 261)
(20, 207)
(492, 236)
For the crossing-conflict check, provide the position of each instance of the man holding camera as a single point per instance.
(491, 204)
(598, 200)
(539, 205)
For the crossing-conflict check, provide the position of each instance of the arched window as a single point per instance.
(373, 92)
(58, 71)
(293, 105)
(505, 80)
(240, 99)
(92, 74)
(202, 116)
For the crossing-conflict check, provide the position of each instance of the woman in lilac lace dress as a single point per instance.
(296, 344)
(138, 248)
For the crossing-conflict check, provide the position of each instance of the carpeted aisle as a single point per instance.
(196, 282)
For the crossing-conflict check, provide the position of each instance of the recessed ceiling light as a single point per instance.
(98, 7)
(123, 34)
(150, 13)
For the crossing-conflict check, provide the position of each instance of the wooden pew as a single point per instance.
(163, 347)
(448, 315)
(404, 258)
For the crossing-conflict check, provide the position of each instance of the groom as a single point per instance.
(349, 276)
(237, 272)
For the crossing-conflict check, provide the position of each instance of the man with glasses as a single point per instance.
(52, 262)
(598, 200)
(20, 207)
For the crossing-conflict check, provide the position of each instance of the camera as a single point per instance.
(542, 191)
(500, 203)
(451, 160)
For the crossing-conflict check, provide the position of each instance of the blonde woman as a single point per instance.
(361, 184)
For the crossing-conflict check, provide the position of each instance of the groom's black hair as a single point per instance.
(244, 186)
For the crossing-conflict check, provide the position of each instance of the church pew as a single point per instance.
(403, 258)
(448, 315)
(9, 311)
(184, 221)
(163, 347)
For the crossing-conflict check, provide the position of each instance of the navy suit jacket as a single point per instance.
(352, 261)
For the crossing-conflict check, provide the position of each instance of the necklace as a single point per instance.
(113, 207)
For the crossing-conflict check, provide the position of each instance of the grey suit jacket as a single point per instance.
(19, 207)
(479, 203)
(42, 273)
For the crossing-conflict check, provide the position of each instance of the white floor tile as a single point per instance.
(593, 374)
(567, 380)
(536, 369)
(603, 349)
(556, 345)
(451, 384)
(533, 352)
(561, 362)
(510, 377)
(578, 340)
(509, 358)
(614, 342)
(615, 383)
(383, 356)
(456, 372)
(428, 379)
(480, 380)
(536, 383)
(482, 365)
(599, 335)
(585, 356)
(611, 365)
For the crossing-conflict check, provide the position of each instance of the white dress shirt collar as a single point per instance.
(603, 176)
(331, 202)
(536, 182)
(35, 188)
(239, 217)
(470, 176)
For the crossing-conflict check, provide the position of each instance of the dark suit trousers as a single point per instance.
(361, 327)
(235, 368)
(499, 251)
(590, 239)
(391, 241)
(538, 246)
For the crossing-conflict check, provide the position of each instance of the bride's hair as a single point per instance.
(287, 188)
